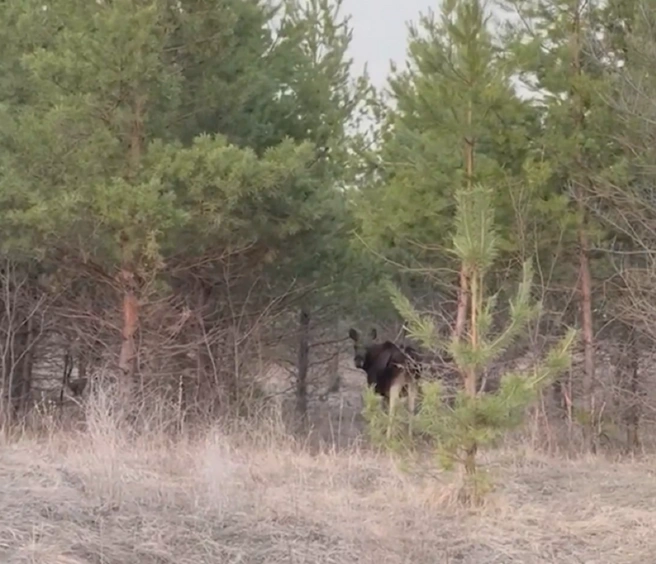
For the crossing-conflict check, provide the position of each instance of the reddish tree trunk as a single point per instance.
(130, 313)
(463, 293)
(585, 282)
(130, 308)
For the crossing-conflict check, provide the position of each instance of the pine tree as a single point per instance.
(455, 122)
(624, 201)
(554, 48)
(139, 133)
(477, 418)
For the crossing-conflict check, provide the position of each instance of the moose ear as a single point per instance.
(353, 334)
(373, 334)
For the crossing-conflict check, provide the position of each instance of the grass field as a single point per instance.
(97, 497)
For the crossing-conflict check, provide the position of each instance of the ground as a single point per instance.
(247, 496)
(226, 498)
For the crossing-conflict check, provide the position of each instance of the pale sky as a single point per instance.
(380, 32)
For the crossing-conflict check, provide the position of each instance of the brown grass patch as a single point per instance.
(222, 498)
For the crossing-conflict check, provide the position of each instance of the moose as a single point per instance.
(393, 371)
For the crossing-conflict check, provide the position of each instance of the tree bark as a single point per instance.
(463, 301)
(130, 311)
(471, 378)
(303, 366)
(633, 411)
(585, 289)
(627, 377)
(22, 366)
(463, 297)
(585, 281)
(130, 305)
(336, 377)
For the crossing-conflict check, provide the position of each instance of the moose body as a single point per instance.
(393, 371)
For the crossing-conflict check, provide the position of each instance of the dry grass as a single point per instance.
(228, 498)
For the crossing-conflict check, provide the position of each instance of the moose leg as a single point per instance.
(412, 399)
(394, 393)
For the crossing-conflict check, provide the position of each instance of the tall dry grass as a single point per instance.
(250, 494)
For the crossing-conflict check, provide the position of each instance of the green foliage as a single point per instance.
(419, 327)
(137, 130)
(150, 134)
(191, 146)
(454, 92)
(475, 241)
(559, 54)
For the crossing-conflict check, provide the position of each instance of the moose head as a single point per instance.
(361, 346)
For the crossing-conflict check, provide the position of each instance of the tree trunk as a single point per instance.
(628, 381)
(71, 354)
(22, 364)
(633, 409)
(303, 367)
(469, 493)
(130, 308)
(470, 382)
(468, 293)
(127, 357)
(336, 376)
(585, 282)
(463, 297)
(232, 377)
